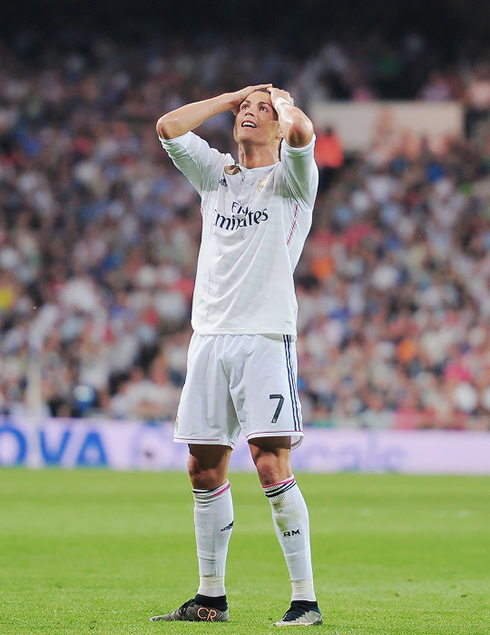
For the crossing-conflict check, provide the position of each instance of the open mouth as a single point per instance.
(248, 124)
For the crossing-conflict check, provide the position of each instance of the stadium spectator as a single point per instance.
(477, 98)
(329, 155)
(98, 236)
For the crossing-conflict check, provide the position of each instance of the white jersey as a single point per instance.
(255, 223)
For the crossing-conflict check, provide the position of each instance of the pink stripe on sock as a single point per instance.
(222, 489)
(288, 480)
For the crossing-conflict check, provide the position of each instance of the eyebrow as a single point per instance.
(259, 103)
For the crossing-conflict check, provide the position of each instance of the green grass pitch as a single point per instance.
(99, 552)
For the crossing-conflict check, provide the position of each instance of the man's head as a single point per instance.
(256, 121)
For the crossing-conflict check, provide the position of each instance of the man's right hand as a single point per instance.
(237, 97)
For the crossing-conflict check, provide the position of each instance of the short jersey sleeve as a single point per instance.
(193, 156)
(301, 172)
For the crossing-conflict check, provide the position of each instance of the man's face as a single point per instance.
(256, 120)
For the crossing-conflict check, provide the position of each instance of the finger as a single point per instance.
(242, 94)
(257, 86)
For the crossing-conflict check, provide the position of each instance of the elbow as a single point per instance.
(300, 134)
(164, 127)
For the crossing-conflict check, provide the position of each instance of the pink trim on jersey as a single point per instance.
(293, 226)
(276, 433)
(213, 441)
(288, 480)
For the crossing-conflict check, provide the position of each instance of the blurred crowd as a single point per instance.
(99, 233)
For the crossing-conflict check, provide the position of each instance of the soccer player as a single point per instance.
(242, 363)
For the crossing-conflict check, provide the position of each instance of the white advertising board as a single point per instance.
(355, 123)
(134, 445)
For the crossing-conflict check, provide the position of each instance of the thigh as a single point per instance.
(206, 414)
(264, 389)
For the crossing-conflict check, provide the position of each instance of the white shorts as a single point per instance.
(239, 382)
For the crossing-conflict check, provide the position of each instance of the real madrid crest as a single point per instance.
(261, 184)
(232, 169)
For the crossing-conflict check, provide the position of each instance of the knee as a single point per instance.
(271, 469)
(197, 473)
(267, 472)
(208, 465)
(272, 458)
(203, 477)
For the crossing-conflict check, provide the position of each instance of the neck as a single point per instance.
(257, 156)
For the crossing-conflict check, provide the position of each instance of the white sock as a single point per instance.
(213, 523)
(291, 522)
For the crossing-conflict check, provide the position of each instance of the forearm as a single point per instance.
(186, 118)
(296, 128)
(190, 116)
